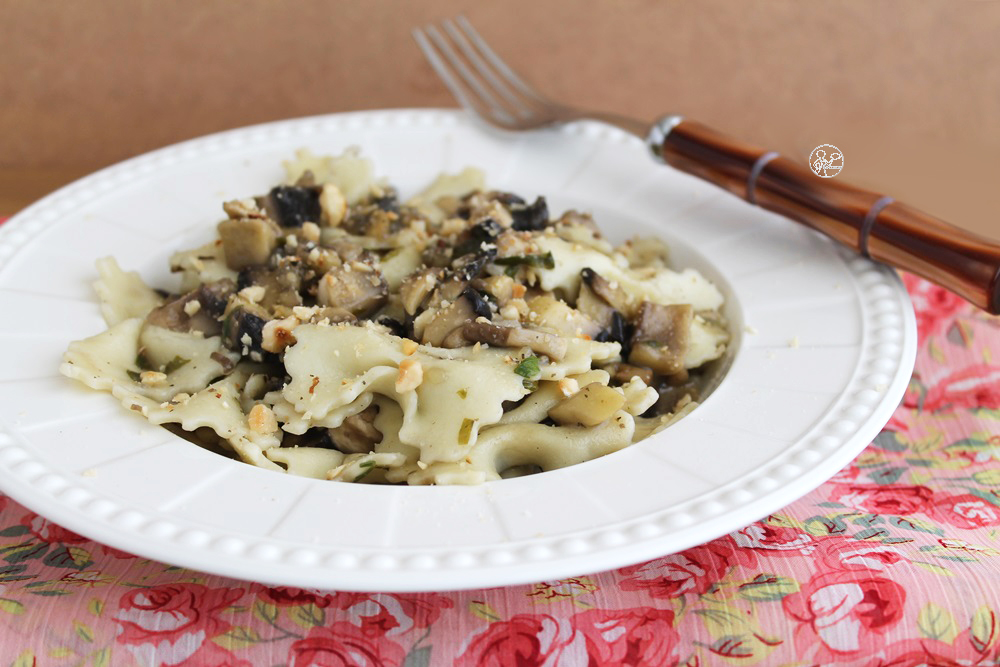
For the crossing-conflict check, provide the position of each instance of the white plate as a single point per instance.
(823, 348)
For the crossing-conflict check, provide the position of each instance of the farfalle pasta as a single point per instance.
(333, 331)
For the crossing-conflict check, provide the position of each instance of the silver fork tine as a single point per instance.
(442, 70)
(498, 62)
(494, 107)
(463, 41)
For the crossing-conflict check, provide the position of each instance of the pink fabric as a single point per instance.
(894, 562)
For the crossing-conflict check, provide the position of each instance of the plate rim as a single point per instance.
(630, 544)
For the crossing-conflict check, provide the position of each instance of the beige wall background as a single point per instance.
(908, 89)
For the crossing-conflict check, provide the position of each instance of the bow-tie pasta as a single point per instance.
(465, 335)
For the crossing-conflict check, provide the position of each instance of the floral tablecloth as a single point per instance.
(893, 562)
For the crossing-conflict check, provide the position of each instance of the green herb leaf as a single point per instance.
(142, 362)
(465, 432)
(529, 368)
(546, 261)
(174, 364)
(368, 465)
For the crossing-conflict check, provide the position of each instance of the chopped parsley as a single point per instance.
(368, 465)
(465, 433)
(529, 368)
(174, 364)
(546, 261)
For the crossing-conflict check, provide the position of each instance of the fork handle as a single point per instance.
(875, 225)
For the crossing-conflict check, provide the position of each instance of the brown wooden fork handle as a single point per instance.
(875, 225)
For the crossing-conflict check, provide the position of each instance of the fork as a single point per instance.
(876, 226)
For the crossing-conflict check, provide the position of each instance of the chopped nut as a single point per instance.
(409, 346)
(568, 386)
(242, 208)
(192, 307)
(277, 334)
(334, 205)
(453, 226)
(518, 290)
(153, 378)
(310, 231)
(303, 313)
(509, 312)
(254, 293)
(262, 420)
(411, 374)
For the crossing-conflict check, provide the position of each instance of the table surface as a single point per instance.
(894, 561)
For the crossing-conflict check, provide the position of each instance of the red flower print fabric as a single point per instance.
(893, 562)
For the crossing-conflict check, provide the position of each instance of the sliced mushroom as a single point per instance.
(590, 406)
(418, 287)
(611, 293)
(292, 205)
(593, 306)
(661, 337)
(479, 237)
(447, 327)
(540, 342)
(198, 310)
(501, 288)
(357, 435)
(358, 290)
(555, 314)
(282, 284)
(247, 241)
(618, 331)
(469, 266)
(531, 217)
(622, 373)
(243, 329)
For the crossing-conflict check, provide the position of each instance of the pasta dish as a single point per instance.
(335, 331)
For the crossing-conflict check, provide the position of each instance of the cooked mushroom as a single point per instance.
(611, 293)
(198, 310)
(483, 233)
(501, 288)
(356, 287)
(447, 327)
(617, 331)
(418, 287)
(622, 373)
(529, 217)
(243, 329)
(357, 435)
(282, 284)
(469, 266)
(593, 306)
(555, 314)
(247, 241)
(540, 342)
(291, 205)
(661, 337)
